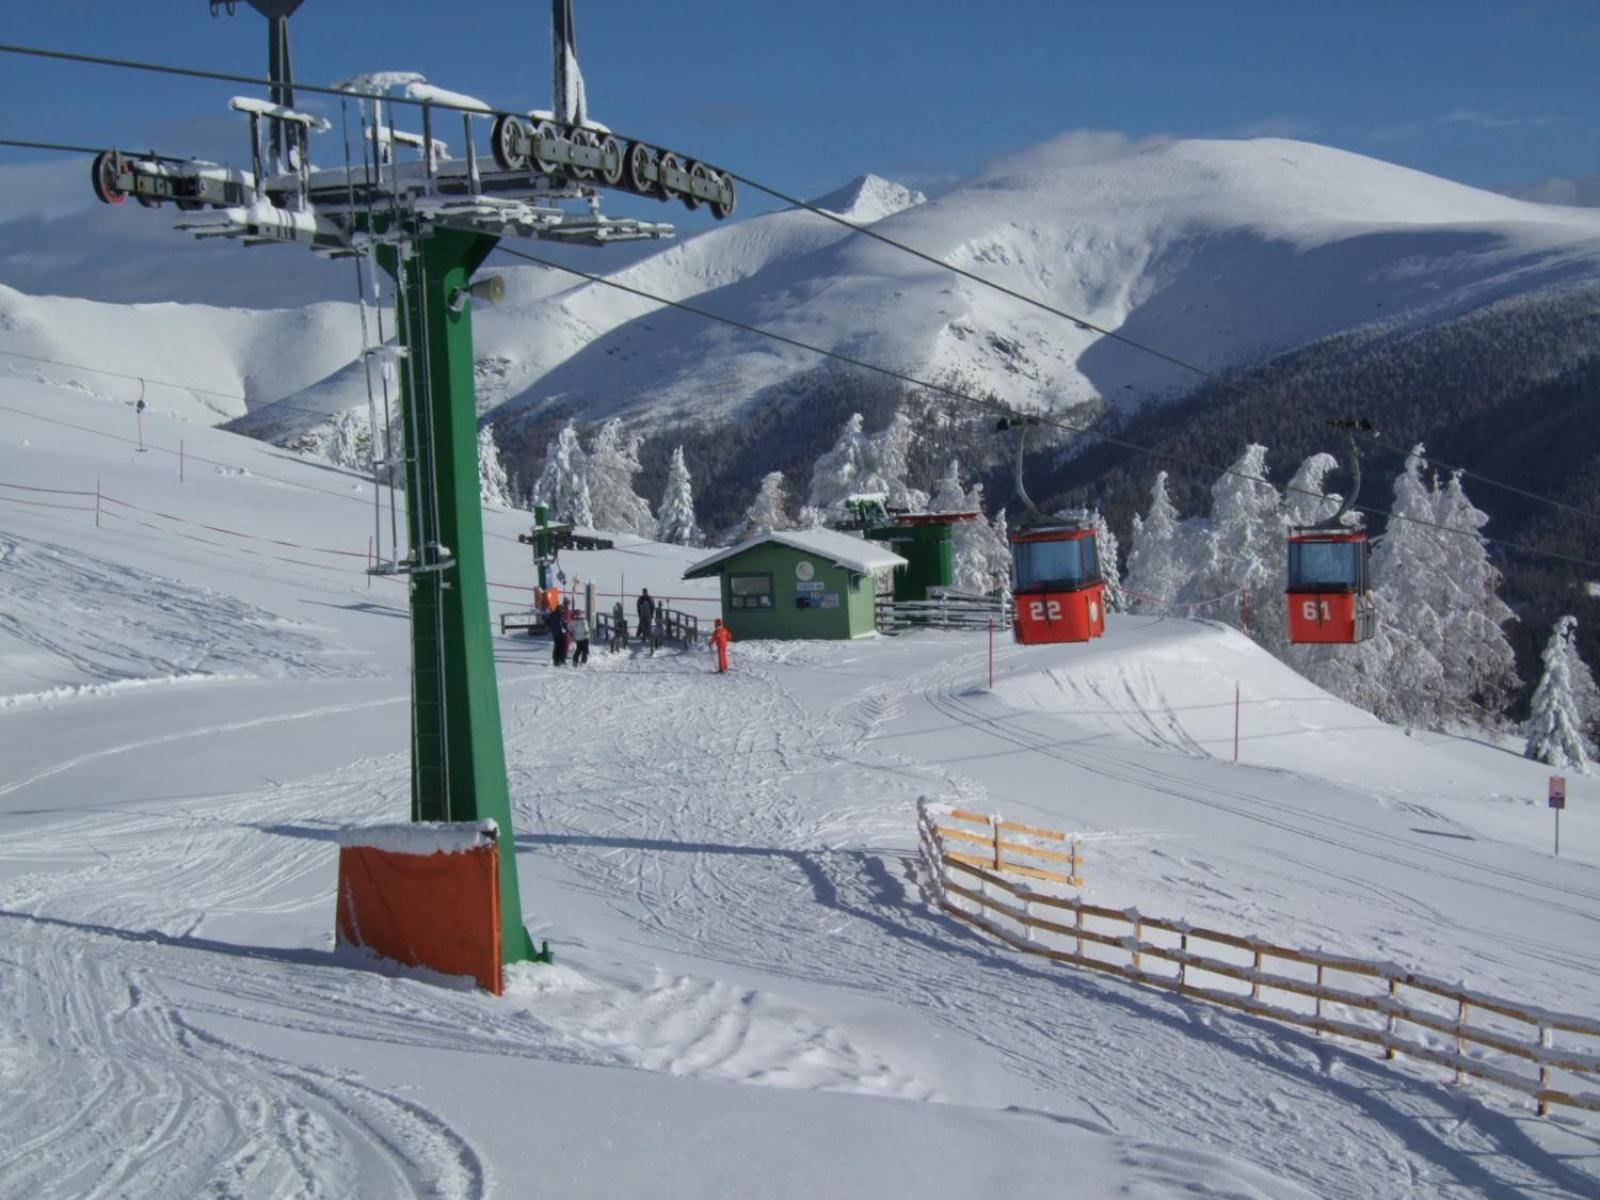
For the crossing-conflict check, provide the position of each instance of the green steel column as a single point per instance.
(458, 755)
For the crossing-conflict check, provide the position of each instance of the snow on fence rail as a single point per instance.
(1000, 851)
(1420, 1017)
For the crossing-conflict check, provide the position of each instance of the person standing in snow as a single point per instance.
(580, 638)
(647, 612)
(619, 628)
(721, 635)
(556, 622)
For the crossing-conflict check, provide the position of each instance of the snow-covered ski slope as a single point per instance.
(751, 995)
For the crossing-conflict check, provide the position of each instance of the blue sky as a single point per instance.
(808, 95)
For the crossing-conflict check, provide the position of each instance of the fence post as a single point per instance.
(1138, 940)
(1077, 911)
(1461, 1045)
(1255, 984)
(1319, 997)
(1545, 1041)
(999, 860)
(1183, 963)
(1394, 1021)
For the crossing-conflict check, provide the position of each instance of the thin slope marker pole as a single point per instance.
(1236, 722)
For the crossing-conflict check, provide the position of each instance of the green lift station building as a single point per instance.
(800, 583)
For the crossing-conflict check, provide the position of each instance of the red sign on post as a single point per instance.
(1558, 791)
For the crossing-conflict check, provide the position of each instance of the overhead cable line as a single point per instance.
(1000, 407)
(775, 193)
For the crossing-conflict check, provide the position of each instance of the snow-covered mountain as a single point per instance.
(1218, 252)
(1221, 252)
(549, 316)
(206, 365)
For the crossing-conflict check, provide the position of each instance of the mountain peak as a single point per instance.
(869, 198)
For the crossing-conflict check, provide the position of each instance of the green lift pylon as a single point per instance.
(457, 748)
(431, 222)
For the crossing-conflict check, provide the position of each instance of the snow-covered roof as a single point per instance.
(857, 554)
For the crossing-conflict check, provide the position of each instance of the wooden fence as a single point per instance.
(1001, 852)
(944, 610)
(1424, 1018)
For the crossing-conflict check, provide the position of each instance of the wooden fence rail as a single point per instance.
(1178, 957)
(943, 611)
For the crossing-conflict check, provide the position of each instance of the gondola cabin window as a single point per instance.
(1328, 588)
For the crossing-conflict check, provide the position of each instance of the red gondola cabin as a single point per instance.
(1056, 585)
(1329, 599)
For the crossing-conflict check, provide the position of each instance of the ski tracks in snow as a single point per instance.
(115, 993)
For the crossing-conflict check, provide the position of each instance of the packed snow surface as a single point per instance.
(751, 994)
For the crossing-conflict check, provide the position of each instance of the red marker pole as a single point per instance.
(991, 654)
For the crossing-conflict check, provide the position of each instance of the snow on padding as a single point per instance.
(420, 837)
(853, 553)
(425, 894)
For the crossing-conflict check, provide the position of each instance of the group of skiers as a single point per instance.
(570, 632)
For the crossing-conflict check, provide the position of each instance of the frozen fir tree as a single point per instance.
(863, 464)
(1107, 550)
(1158, 566)
(980, 559)
(1480, 668)
(1556, 725)
(843, 470)
(1241, 570)
(948, 494)
(997, 549)
(1398, 674)
(563, 485)
(767, 512)
(612, 465)
(889, 455)
(493, 486)
(675, 523)
(1305, 502)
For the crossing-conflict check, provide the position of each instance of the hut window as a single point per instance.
(750, 591)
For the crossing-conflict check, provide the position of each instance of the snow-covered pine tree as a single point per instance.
(613, 463)
(1398, 674)
(1480, 668)
(1242, 555)
(1304, 501)
(1110, 569)
(1158, 562)
(997, 550)
(889, 454)
(493, 486)
(768, 511)
(675, 523)
(1556, 733)
(948, 495)
(563, 486)
(843, 470)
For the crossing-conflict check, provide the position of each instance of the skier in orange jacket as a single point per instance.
(720, 637)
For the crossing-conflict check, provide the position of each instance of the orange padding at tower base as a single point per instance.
(439, 910)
